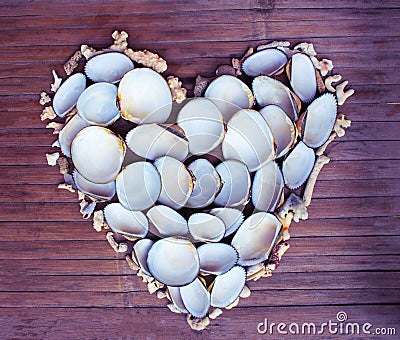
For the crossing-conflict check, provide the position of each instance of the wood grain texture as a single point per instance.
(59, 279)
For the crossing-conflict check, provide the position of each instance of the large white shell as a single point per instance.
(126, 222)
(196, 298)
(282, 128)
(69, 132)
(101, 192)
(177, 182)
(230, 94)
(140, 252)
(97, 154)
(297, 165)
(227, 287)
(216, 258)
(67, 95)
(249, 140)
(152, 141)
(203, 124)
(267, 187)
(231, 217)
(175, 295)
(167, 222)
(206, 227)
(266, 62)
(236, 184)
(255, 238)
(108, 67)
(208, 183)
(173, 261)
(144, 97)
(319, 120)
(138, 186)
(98, 104)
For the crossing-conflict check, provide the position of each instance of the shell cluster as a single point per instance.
(195, 188)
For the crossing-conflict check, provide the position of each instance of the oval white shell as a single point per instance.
(144, 97)
(175, 295)
(167, 222)
(126, 222)
(255, 238)
(173, 261)
(152, 141)
(196, 298)
(298, 165)
(98, 104)
(301, 73)
(266, 62)
(102, 192)
(206, 227)
(216, 258)
(231, 217)
(69, 132)
(108, 67)
(230, 94)
(141, 251)
(67, 95)
(97, 154)
(138, 186)
(203, 124)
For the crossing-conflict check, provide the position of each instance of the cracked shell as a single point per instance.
(265, 62)
(216, 258)
(67, 95)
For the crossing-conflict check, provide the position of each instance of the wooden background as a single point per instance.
(60, 279)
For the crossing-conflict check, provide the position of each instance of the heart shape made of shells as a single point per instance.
(200, 192)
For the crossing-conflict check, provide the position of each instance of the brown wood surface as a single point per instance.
(60, 279)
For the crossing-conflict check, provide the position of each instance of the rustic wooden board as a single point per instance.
(60, 279)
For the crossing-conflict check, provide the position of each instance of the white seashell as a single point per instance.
(249, 140)
(196, 298)
(301, 73)
(144, 97)
(97, 154)
(152, 141)
(126, 222)
(282, 127)
(167, 222)
(230, 94)
(227, 287)
(207, 184)
(138, 186)
(297, 165)
(67, 95)
(140, 252)
(216, 258)
(231, 217)
(175, 295)
(206, 227)
(203, 124)
(255, 238)
(236, 184)
(98, 104)
(266, 62)
(319, 120)
(267, 187)
(100, 192)
(108, 67)
(173, 261)
(177, 182)
(69, 132)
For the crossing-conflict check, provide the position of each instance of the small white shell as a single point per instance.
(206, 227)
(196, 298)
(167, 222)
(266, 62)
(230, 94)
(175, 295)
(101, 192)
(141, 251)
(108, 67)
(126, 222)
(231, 217)
(216, 258)
(69, 132)
(67, 95)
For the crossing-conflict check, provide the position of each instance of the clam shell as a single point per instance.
(129, 223)
(196, 298)
(152, 141)
(267, 187)
(69, 132)
(97, 154)
(236, 184)
(216, 258)
(203, 124)
(231, 217)
(140, 252)
(230, 94)
(255, 238)
(297, 165)
(206, 227)
(67, 95)
(227, 287)
(177, 182)
(108, 67)
(173, 261)
(144, 97)
(98, 104)
(266, 62)
(249, 140)
(167, 222)
(100, 192)
(175, 295)
(138, 186)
